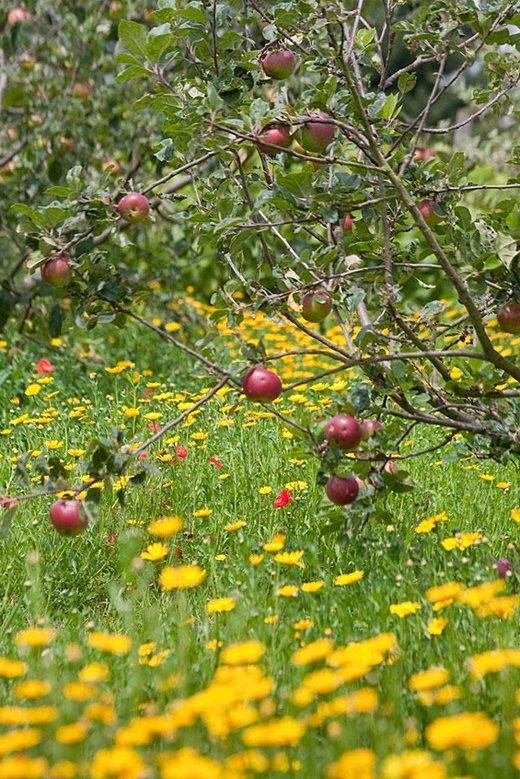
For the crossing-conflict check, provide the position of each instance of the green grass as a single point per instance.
(97, 579)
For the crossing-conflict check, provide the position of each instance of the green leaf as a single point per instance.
(56, 316)
(133, 71)
(133, 37)
(406, 82)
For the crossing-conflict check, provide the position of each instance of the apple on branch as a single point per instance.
(57, 271)
(278, 63)
(67, 517)
(134, 207)
(261, 385)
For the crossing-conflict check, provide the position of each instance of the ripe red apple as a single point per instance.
(424, 154)
(278, 63)
(261, 385)
(426, 207)
(57, 272)
(67, 517)
(347, 223)
(133, 207)
(279, 135)
(509, 318)
(316, 305)
(344, 431)
(16, 15)
(318, 133)
(369, 427)
(342, 491)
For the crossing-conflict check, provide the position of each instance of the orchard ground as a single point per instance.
(126, 668)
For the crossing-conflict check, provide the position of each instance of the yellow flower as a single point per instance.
(287, 591)
(181, 578)
(9, 669)
(203, 513)
(356, 764)
(121, 762)
(515, 515)
(256, 559)
(165, 527)
(113, 643)
(155, 552)
(265, 490)
(290, 558)
(456, 374)
(242, 653)
(20, 715)
(428, 680)
(437, 625)
(303, 624)
(276, 544)
(187, 763)
(93, 673)
(443, 592)
(130, 412)
(31, 688)
(33, 389)
(468, 731)
(312, 586)
(313, 652)
(218, 605)
(413, 764)
(405, 608)
(71, 734)
(348, 578)
(234, 526)
(19, 740)
(285, 731)
(172, 327)
(461, 541)
(34, 637)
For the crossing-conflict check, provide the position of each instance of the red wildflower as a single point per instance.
(112, 539)
(283, 499)
(181, 452)
(154, 427)
(44, 366)
(142, 456)
(148, 392)
(8, 503)
(216, 462)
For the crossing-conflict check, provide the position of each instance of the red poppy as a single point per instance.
(216, 462)
(44, 366)
(8, 503)
(181, 452)
(284, 498)
(154, 427)
(142, 456)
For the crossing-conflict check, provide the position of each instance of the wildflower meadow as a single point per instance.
(259, 427)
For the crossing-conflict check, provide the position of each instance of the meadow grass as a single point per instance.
(99, 582)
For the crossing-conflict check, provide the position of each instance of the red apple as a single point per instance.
(57, 272)
(67, 517)
(278, 135)
(369, 427)
(261, 385)
(316, 305)
(317, 133)
(16, 15)
(347, 223)
(426, 207)
(133, 207)
(278, 63)
(344, 431)
(509, 318)
(342, 491)
(424, 154)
